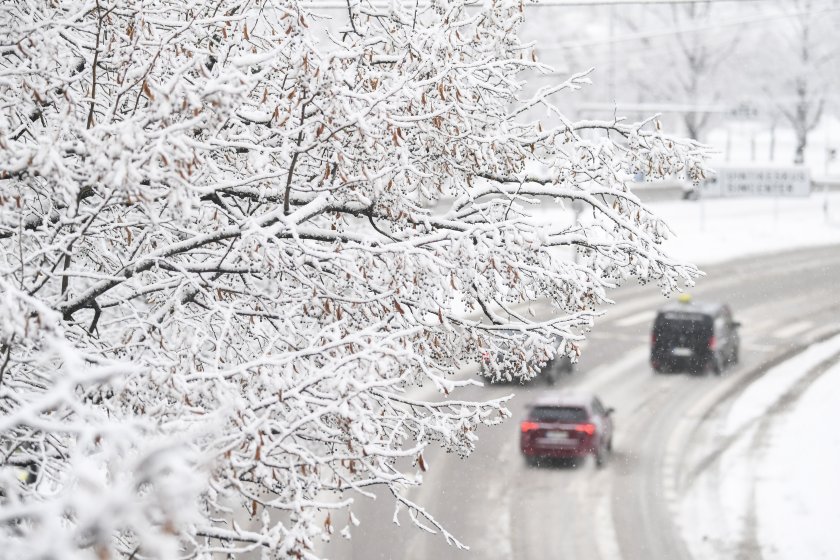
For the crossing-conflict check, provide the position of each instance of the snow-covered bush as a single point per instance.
(236, 235)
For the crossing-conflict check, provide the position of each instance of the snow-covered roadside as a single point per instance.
(800, 478)
(771, 493)
(718, 230)
(757, 399)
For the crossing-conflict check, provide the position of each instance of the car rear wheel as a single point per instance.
(532, 461)
(601, 456)
(712, 366)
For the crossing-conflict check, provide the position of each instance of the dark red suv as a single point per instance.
(566, 425)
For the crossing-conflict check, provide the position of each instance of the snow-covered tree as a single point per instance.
(221, 277)
(683, 40)
(809, 55)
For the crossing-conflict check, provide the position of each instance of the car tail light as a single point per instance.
(712, 343)
(653, 339)
(588, 429)
(529, 426)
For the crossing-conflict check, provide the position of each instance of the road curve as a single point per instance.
(504, 509)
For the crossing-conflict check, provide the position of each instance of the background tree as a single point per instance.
(681, 39)
(219, 289)
(810, 58)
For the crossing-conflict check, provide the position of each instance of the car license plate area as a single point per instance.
(557, 437)
(682, 352)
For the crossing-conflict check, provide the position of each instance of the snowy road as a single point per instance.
(633, 508)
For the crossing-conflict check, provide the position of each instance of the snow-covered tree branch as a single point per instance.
(236, 237)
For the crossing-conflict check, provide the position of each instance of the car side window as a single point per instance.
(598, 408)
(720, 325)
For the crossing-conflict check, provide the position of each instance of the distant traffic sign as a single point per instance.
(757, 181)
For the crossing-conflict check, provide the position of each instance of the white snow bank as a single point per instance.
(762, 394)
(772, 493)
(716, 230)
(723, 229)
(799, 478)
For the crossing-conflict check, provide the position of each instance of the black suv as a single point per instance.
(696, 337)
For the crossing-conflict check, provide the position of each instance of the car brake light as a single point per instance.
(653, 339)
(712, 343)
(588, 429)
(529, 426)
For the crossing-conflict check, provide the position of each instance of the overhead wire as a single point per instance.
(685, 30)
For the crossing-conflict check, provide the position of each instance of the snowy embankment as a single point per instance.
(797, 499)
(771, 492)
(717, 230)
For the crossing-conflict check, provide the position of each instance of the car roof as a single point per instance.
(704, 308)
(564, 398)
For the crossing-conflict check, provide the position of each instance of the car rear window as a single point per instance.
(691, 325)
(571, 414)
